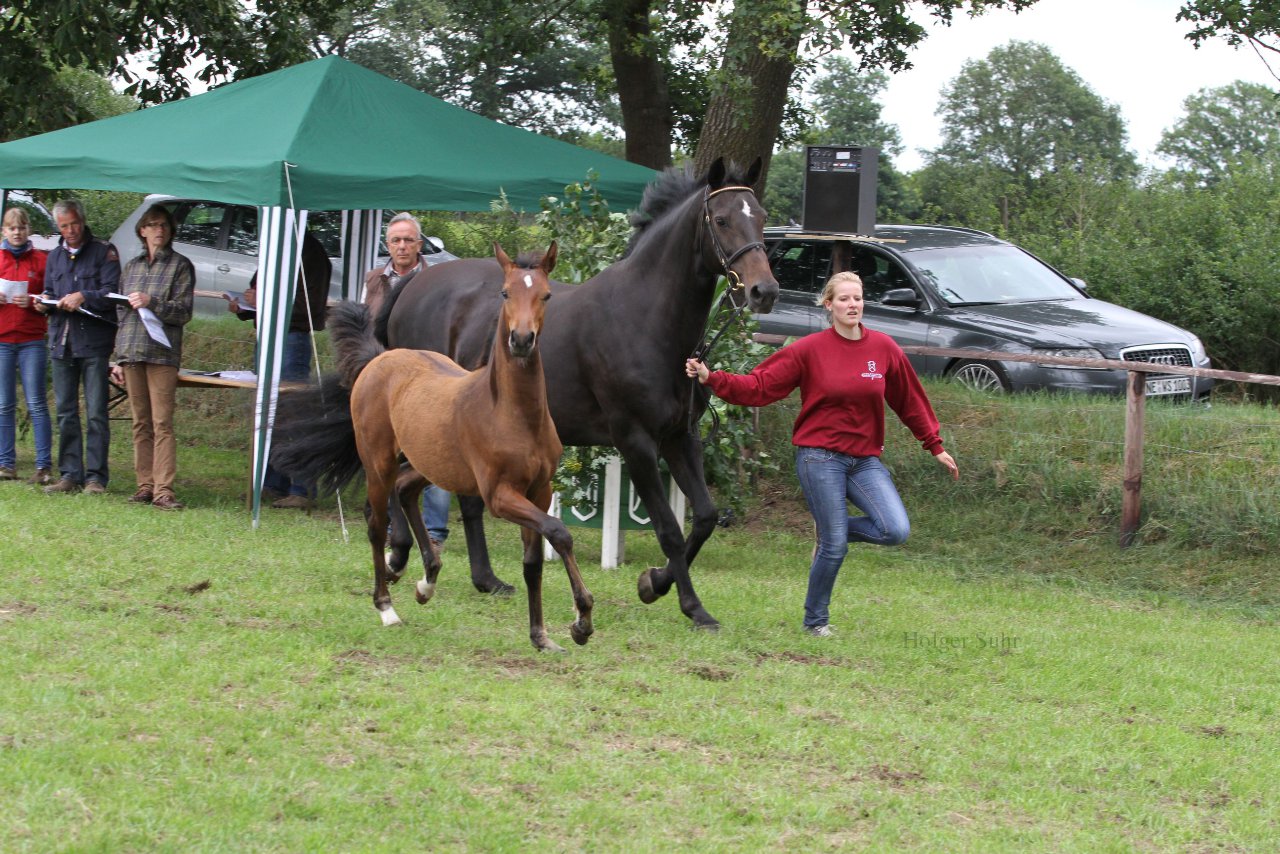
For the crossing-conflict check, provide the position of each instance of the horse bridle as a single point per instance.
(735, 284)
(726, 262)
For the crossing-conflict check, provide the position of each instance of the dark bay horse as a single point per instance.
(484, 433)
(614, 349)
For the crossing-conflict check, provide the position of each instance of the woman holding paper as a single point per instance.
(22, 347)
(158, 288)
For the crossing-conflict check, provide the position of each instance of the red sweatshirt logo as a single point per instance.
(870, 373)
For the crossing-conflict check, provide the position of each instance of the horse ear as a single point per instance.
(753, 174)
(715, 176)
(502, 257)
(549, 259)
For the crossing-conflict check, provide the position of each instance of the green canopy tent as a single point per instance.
(324, 135)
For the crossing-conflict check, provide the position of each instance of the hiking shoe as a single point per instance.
(94, 488)
(165, 501)
(142, 496)
(7, 473)
(63, 485)
(41, 477)
(824, 631)
(292, 502)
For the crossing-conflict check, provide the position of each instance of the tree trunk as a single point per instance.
(745, 111)
(642, 84)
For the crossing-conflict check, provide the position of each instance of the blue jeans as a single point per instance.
(829, 479)
(82, 456)
(28, 359)
(435, 512)
(295, 366)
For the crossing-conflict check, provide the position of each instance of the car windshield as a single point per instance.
(977, 275)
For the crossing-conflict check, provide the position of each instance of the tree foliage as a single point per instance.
(768, 41)
(1223, 127)
(1022, 111)
(1239, 22)
(843, 110)
(210, 40)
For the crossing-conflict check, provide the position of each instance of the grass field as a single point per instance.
(1009, 680)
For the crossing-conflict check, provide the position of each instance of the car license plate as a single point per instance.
(1169, 385)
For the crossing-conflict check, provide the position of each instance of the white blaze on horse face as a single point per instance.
(528, 280)
(746, 209)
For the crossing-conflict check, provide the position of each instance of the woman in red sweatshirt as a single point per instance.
(845, 374)
(22, 347)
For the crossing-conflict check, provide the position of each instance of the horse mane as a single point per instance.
(674, 185)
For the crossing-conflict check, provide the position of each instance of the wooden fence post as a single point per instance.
(1131, 510)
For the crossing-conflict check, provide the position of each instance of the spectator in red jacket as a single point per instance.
(22, 347)
(845, 374)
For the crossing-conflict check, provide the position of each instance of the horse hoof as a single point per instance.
(704, 622)
(644, 586)
(548, 646)
(494, 587)
(389, 617)
(422, 591)
(581, 634)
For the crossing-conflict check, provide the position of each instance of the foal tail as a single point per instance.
(351, 332)
(314, 437)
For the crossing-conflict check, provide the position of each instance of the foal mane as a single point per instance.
(529, 260)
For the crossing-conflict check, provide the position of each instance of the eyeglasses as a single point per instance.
(397, 240)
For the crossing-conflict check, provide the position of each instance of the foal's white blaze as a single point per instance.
(528, 280)
(426, 589)
(746, 209)
(389, 617)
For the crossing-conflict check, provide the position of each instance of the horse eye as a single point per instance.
(546, 296)
(506, 294)
(721, 221)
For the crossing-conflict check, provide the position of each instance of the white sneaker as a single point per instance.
(824, 631)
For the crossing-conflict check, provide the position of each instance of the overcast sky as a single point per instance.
(1130, 52)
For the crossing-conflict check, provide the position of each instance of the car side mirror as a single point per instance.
(435, 244)
(1080, 283)
(901, 296)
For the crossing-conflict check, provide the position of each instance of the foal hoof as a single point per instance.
(423, 591)
(393, 574)
(547, 645)
(389, 617)
(581, 634)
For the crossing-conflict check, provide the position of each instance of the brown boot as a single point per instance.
(69, 487)
(42, 477)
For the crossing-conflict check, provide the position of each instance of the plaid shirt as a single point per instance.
(170, 281)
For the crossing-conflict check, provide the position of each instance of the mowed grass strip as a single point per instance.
(180, 682)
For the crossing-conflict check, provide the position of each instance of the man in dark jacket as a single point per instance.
(81, 271)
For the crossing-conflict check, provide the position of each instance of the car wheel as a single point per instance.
(982, 376)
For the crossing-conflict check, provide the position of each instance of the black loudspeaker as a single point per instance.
(840, 188)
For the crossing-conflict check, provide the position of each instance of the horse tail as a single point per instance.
(314, 439)
(351, 334)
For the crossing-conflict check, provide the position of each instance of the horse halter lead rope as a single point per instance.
(735, 284)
